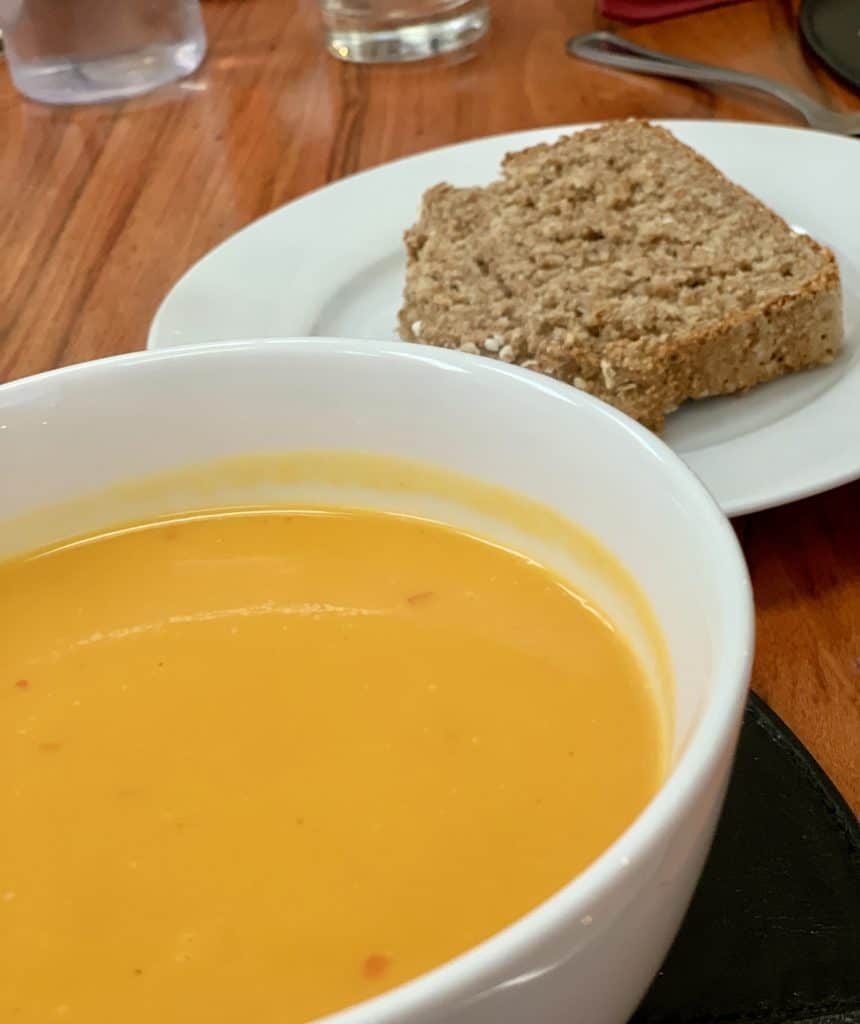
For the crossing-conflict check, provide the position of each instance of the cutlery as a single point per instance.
(614, 51)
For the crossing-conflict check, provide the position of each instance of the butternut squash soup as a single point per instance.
(260, 764)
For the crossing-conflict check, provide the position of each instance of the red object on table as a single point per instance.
(654, 10)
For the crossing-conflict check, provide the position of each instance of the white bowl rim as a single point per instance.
(707, 742)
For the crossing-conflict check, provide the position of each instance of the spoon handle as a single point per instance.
(610, 49)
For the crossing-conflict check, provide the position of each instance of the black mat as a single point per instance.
(831, 29)
(773, 933)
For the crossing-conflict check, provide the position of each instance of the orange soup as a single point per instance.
(258, 765)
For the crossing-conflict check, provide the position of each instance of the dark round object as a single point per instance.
(773, 933)
(831, 29)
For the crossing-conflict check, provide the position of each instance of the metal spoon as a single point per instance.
(610, 49)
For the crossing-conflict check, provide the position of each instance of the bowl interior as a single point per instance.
(85, 428)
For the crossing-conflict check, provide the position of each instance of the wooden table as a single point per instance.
(103, 208)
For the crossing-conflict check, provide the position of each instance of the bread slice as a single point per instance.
(621, 261)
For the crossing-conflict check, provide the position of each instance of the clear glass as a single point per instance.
(86, 51)
(378, 31)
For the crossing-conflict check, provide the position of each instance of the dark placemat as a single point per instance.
(773, 933)
(831, 29)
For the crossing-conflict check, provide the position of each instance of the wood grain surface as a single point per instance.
(103, 208)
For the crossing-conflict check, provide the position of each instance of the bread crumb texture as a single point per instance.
(620, 261)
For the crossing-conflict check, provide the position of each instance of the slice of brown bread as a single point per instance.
(623, 262)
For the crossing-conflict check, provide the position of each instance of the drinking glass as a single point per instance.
(376, 31)
(84, 51)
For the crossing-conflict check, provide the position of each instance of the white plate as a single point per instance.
(332, 264)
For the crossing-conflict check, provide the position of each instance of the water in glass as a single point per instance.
(85, 51)
(373, 31)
